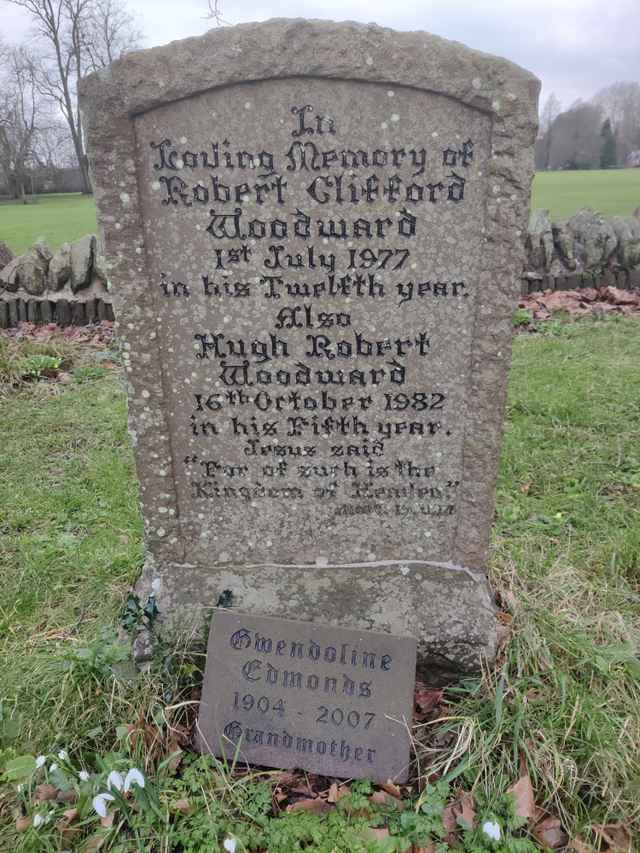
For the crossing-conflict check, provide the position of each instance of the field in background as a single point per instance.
(58, 218)
(609, 191)
(63, 218)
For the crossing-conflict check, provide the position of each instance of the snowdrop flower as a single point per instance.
(115, 780)
(492, 830)
(41, 760)
(99, 803)
(133, 777)
(63, 755)
(84, 776)
(38, 820)
(230, 844)
(53, 767)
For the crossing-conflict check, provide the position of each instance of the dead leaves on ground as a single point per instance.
(95, 335)
(581, 303)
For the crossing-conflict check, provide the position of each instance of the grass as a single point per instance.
(63, 218)
(563, 700)
(58, 218)
(609, 191)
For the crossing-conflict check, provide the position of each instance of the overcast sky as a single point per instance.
(576, 47)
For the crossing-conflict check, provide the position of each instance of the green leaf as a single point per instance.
(20, 769)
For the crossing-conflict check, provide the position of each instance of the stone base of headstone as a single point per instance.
(448, 608)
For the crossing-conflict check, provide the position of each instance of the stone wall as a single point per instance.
(587, 250)
(65, 287)
(70, 286)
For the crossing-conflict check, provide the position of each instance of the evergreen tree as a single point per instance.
(608, 155)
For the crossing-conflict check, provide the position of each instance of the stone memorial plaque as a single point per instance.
(315, 234)
(298, 694)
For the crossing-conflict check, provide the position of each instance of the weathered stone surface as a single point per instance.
(317, 435)
(285, 693)
(100, 271)
(81, 256)
(593, 239)
(60, 268)
(540, 246)
(627, 233)
(6, 255)
(28, 272)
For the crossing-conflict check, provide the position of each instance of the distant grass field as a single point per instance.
(58, 218)
(62, 218)
(609, 191)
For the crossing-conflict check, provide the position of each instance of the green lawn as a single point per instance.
(62, 218)
(563, 700)
(58, 218)
(609, 191)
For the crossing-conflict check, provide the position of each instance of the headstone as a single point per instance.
(333, 701)
(315, 234)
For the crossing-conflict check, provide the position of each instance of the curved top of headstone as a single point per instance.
(296, 47)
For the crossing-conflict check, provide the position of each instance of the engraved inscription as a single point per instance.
(319, 325)
(327, 699)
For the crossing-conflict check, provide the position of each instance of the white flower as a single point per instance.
(84, 776)
(53, 767)
(41, 760)
(133, 777)
(99, 803)
(491, 830)
(38, 820)
(115, 780)
(229, 844)
(63, 755)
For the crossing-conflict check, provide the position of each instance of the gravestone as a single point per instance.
(315, 233)
(334, 701)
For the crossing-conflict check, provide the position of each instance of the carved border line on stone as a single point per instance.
(297, 48)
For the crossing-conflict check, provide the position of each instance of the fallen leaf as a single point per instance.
(381, 798)
(467, 813)
(579, 846)
(449, 820)
(107, 822)
(315, 806)
(524, 797)
(23, 824)
(333, 795)
(184, 806)
(431, 848)
(525, 488)
(70, 815)
(427, 701)
(459, 812)
(67, 796)
(617, 836)
(550, 833)
(176, 753)
(392, 789)
(45, 792)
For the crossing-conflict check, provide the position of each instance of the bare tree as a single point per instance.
(621, 105)
(550, 112)
(576, 142)
(20, 115)
(214, 12)
(78, 36)
(110, 31)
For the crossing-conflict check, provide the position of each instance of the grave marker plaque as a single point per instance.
(315, 235)
(296, 694)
